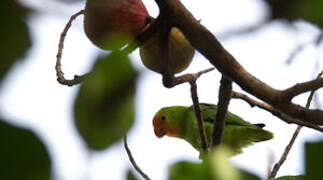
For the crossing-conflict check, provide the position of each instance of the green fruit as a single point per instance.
(111, 24)
(180, 52)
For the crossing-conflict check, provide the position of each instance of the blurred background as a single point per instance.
(279, 43)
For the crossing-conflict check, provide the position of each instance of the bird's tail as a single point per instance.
(260, 134)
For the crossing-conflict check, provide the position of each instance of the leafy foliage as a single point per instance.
(300, 177)
(313, 161)
(130, 175)
(22, 154)
(309, 10)
(216, 167)
(14, 35)
(104, 108)
(185, 170)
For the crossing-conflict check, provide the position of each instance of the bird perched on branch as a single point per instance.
(180, 122)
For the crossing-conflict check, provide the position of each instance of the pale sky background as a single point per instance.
(32, 98)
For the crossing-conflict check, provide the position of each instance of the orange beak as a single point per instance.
(157, 130)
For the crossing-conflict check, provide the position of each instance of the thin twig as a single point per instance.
(319, 39)
(224, 100)
(149, 30)
(285, 154)
(60, 74)
(198, 114)
(298, 49)
(274, 111)
(191, 78)
(291, 142)
(224, 36)
(132, 160)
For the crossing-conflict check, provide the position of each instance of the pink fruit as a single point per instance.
(110, 24)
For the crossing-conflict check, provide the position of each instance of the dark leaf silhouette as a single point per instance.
(14, 35)
(22, 154)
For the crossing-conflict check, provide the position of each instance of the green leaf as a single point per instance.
(215, 167)
(300, 177)
(222, 168)
(314, 160)
(185, 170)
(104, 108)
(130, 176)
(14, 35)
(309, 10)
(22, 154)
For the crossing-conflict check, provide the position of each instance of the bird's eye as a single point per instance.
(163, 118)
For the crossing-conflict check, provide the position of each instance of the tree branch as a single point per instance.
(303, 87)
(191, 78)
(132, 160)
(274, 111)
(59, 72)
(210, 47)
(285, 154)
(224, 100)
(291, 142)
(198, 114)
(148, 31)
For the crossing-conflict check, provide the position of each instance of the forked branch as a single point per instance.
(291, 142)
(207, 44)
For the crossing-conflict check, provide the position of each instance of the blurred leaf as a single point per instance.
(309, 10)
(22, 155)
(216, 167)
(300, 177)
(104, 108)
(314, 160)
(130, 176)
(222, 168)
(14, 35)
(185, 170)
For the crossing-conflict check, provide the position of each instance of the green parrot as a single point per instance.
(180, 122)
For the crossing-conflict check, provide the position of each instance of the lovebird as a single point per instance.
(180, 122)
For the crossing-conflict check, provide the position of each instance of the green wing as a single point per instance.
(209, 114)
(238, 133)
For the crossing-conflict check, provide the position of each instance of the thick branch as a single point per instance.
(303, 87)
(224, 99)
(210, 47)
